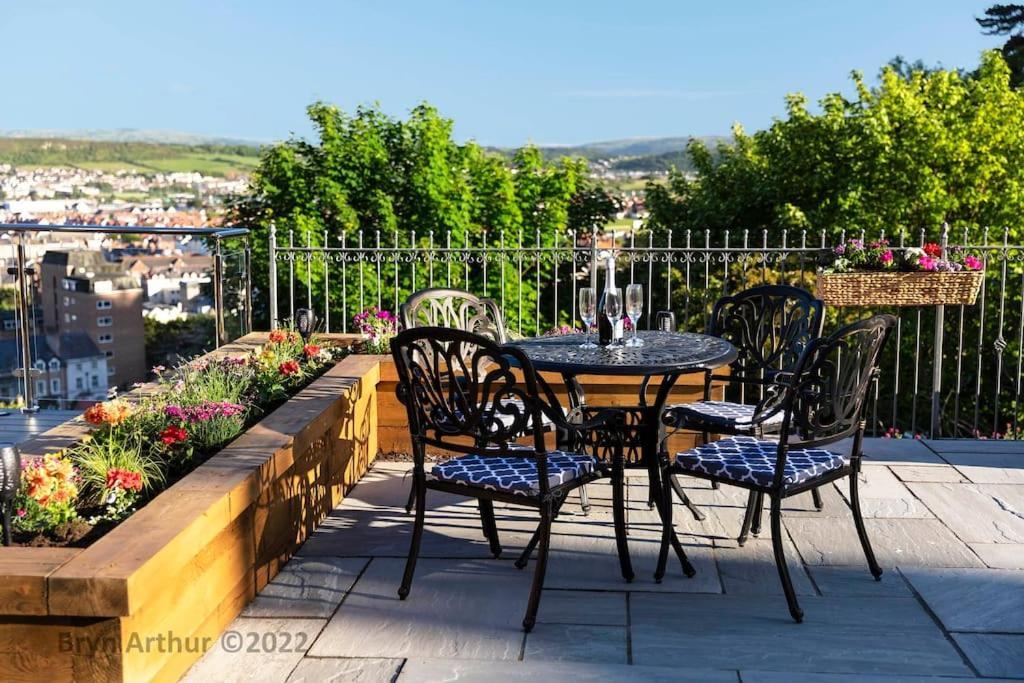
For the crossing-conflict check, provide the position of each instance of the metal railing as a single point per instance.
(929, 383)
(23, 271)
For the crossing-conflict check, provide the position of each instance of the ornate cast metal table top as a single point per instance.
(662, 353)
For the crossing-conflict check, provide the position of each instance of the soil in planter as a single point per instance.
(77, 533)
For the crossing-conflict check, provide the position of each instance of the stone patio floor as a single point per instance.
(946, 519)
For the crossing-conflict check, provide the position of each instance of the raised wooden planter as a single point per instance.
(186, 564)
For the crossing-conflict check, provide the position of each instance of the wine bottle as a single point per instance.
(605, 332)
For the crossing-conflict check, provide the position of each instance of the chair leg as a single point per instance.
(524, 557)
(411, 500)
(780, 559)
(490, 526)
(862, 532)
(748, 518)
(664, 504)
(684, 499)
(755, 525)
(619, 521)
(538, 572)
(652, 493)
(584, 500)
(414, 545)
(816, 497)
(666, 530)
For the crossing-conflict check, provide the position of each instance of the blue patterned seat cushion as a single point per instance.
(737, 416)
(512, 474)
(752, 461)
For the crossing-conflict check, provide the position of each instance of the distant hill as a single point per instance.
(633, 154)
(168, 151)
(630, 147)
(143, 157)
(159, 137)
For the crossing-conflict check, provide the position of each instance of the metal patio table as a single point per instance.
(667, 355)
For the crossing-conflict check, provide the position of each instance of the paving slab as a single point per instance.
(878, 451)
(883, 495)
(928, 473)
(583, 556)
(346, 670)
(977, 513)
(1000, 555)
(307, 587)
(993, 655)
(984, 466)
(858, 582)
(976, 446)
(459, 609)
(750, 569)
(577, 643)
(852, 635)
(896, 542)
(277, 644)
(470, 671)
(803, 677)
(451, 532)
(973, 600)
(596, 608)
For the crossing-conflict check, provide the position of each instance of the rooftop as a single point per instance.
(945, 518)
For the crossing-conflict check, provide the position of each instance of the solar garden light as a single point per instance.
(305, 322)
(10, 480)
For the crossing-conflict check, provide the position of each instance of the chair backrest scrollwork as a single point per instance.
(465, 393)
(827, 392)
(770, 326)
(439, 307)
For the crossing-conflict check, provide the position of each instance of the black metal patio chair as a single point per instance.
(821, 402)
(461, 310)
(770, 326)
(467, 395)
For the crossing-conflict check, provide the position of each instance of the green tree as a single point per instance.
(1007, 20)
(920, 149)
(405, 182)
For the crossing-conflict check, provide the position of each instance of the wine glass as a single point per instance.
(588, 311)
(613, 310)
(635, 309)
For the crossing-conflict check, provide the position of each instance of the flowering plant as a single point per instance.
(378, 326)
(110, 413)
(855, 254)
(49, 489)
(135, 447)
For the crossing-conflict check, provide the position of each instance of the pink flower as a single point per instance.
(973, 262)
(926, 263)
(886, 257)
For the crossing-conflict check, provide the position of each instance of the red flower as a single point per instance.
(126, 480)
(277, 336)
(933, 250)
(289, 367)
(310, 350)
(173, 434)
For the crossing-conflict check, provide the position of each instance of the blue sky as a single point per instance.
(507, 72)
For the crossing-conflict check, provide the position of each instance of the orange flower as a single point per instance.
(96, 414)
(110, 413)
(310, 350)
(277, 336)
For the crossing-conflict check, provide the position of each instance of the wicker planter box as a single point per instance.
(899, 289)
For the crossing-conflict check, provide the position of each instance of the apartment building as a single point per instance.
(82, 292)
(69, 371)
